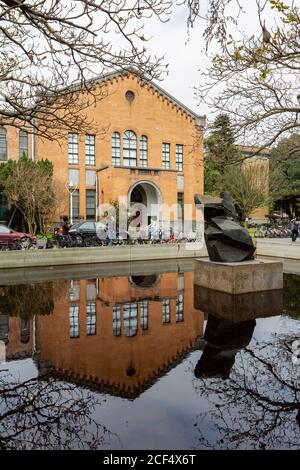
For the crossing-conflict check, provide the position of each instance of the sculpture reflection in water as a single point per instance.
(223, 340)
(226, 240)
(254, 397)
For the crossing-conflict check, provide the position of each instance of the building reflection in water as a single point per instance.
(120, 334)
(19, 304)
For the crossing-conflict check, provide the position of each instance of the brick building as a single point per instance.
(151, 151)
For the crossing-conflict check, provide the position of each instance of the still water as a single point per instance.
(124, 357)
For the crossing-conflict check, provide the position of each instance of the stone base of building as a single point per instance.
(237, 308)
(239, 278)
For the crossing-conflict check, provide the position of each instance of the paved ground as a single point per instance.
(290, 266)
(280, 241)
(279, 247)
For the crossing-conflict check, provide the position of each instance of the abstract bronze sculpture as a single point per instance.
(226, 240)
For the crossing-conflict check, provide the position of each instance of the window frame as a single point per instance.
(3, 144)
(130, 149)
(143, 151)
(75, 215)
(22, 135)
(116, 320)
(73, 147)
(130, 319)
(88, 192)
(180, 308)
(166, 151)
(144, 314)
(90, 151)
(166, 311)
(179, 157)
(91, 319)
(116, 148)
(74, 330)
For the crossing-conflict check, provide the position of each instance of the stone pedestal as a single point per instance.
(236, 308)
(239, 278)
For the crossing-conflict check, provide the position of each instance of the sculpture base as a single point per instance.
(239, 278)
(236, 308)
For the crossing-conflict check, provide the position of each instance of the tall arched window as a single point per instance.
(129, 148)
(3, 144)
(143, 151)
(115, 149)
(23, 143)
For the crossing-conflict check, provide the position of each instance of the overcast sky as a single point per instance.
(187, 58)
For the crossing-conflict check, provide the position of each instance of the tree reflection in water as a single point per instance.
(45, 413)
(258, 405)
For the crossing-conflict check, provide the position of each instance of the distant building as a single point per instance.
(261, 158)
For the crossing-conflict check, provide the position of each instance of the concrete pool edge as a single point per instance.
(118, 254)
(107, 254)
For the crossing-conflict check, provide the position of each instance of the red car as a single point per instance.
(15, 240)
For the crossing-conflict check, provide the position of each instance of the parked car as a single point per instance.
(15, 240)
(93, 233)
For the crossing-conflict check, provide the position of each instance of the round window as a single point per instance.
(129, 95)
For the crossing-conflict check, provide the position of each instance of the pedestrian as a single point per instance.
(294, 229)
(66, 225)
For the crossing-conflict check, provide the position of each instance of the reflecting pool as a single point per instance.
(123, 357)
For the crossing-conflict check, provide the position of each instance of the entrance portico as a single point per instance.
(147, 194)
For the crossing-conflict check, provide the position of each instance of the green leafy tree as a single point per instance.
(220, 151)
(286, 157)
(212, 178)
(28, 186)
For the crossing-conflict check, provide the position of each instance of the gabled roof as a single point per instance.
(131, 392)
(200, 119)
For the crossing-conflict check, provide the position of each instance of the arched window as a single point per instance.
(115, 149)
(3, 144)
(129, 148)
(143, 151)
(130, 317)
(23, 143)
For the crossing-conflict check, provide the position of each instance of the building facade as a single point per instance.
(148, 149)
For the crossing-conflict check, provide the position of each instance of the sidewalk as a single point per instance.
(278, 247)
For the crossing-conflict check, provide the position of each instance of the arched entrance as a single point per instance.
(148, 194)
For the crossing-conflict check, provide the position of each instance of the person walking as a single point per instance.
(66, 225)
(294, 229)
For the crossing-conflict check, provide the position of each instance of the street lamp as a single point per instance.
(71, 188)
